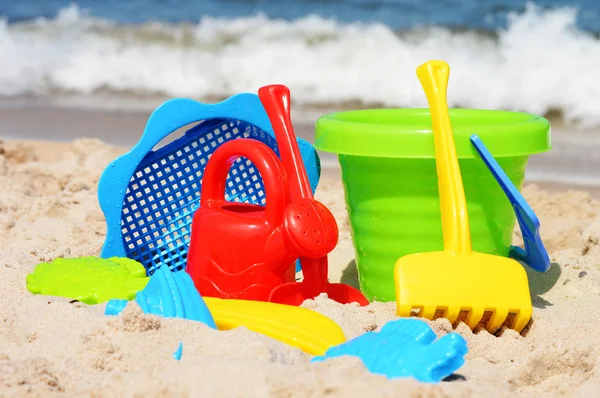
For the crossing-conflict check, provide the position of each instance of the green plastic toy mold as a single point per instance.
(91, 280)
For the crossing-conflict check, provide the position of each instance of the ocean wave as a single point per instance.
(540, 63)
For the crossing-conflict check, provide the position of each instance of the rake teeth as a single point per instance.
(496, 320)
(521, 319)
(404, 310)
(428, 312)
(474, 317)
(479, 290)
(452, 314)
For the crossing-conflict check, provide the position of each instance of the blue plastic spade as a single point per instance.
(405, 347)
(535, 254)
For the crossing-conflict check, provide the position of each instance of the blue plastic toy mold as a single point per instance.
(149, 196)
(535, 254)
(405, 348)
(170, 295)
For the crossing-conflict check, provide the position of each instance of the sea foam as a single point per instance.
(541, 62)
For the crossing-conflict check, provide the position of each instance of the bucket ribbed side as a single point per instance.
(394, 210)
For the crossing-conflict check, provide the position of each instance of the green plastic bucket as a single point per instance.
(387, 159)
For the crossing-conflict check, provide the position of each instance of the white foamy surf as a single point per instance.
(541, 62)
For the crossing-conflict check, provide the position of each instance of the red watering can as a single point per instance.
(276, 100)
(244, 251)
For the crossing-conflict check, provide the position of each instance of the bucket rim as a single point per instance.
(406, 132)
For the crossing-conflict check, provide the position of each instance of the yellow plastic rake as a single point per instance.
(458, 283)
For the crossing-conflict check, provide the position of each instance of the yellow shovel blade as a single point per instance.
(299, 327)
(442, 283)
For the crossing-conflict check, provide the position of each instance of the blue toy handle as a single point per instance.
(534, 254)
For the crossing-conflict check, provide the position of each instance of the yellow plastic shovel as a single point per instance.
(458, 283)
(299, 327)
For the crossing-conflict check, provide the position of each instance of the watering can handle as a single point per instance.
(433, 76)
(263, 158)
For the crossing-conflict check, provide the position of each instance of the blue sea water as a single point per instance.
(397, 14)
(506, 54)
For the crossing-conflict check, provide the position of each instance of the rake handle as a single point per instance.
(433, 76)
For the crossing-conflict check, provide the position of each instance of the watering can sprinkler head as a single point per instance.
(310, 228)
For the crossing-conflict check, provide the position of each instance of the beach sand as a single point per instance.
(54, 347)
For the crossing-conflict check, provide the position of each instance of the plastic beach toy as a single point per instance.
(177, 354)
(298, 327)
(241, 250)
(149, 194)
(310, 225)
(90, 280)
(405, 348)
(535, 254)
(457, 279)
(244, 251)
(387, 161)
(172, 294)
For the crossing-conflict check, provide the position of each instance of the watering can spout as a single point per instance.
(310, 226)
(280, 115)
